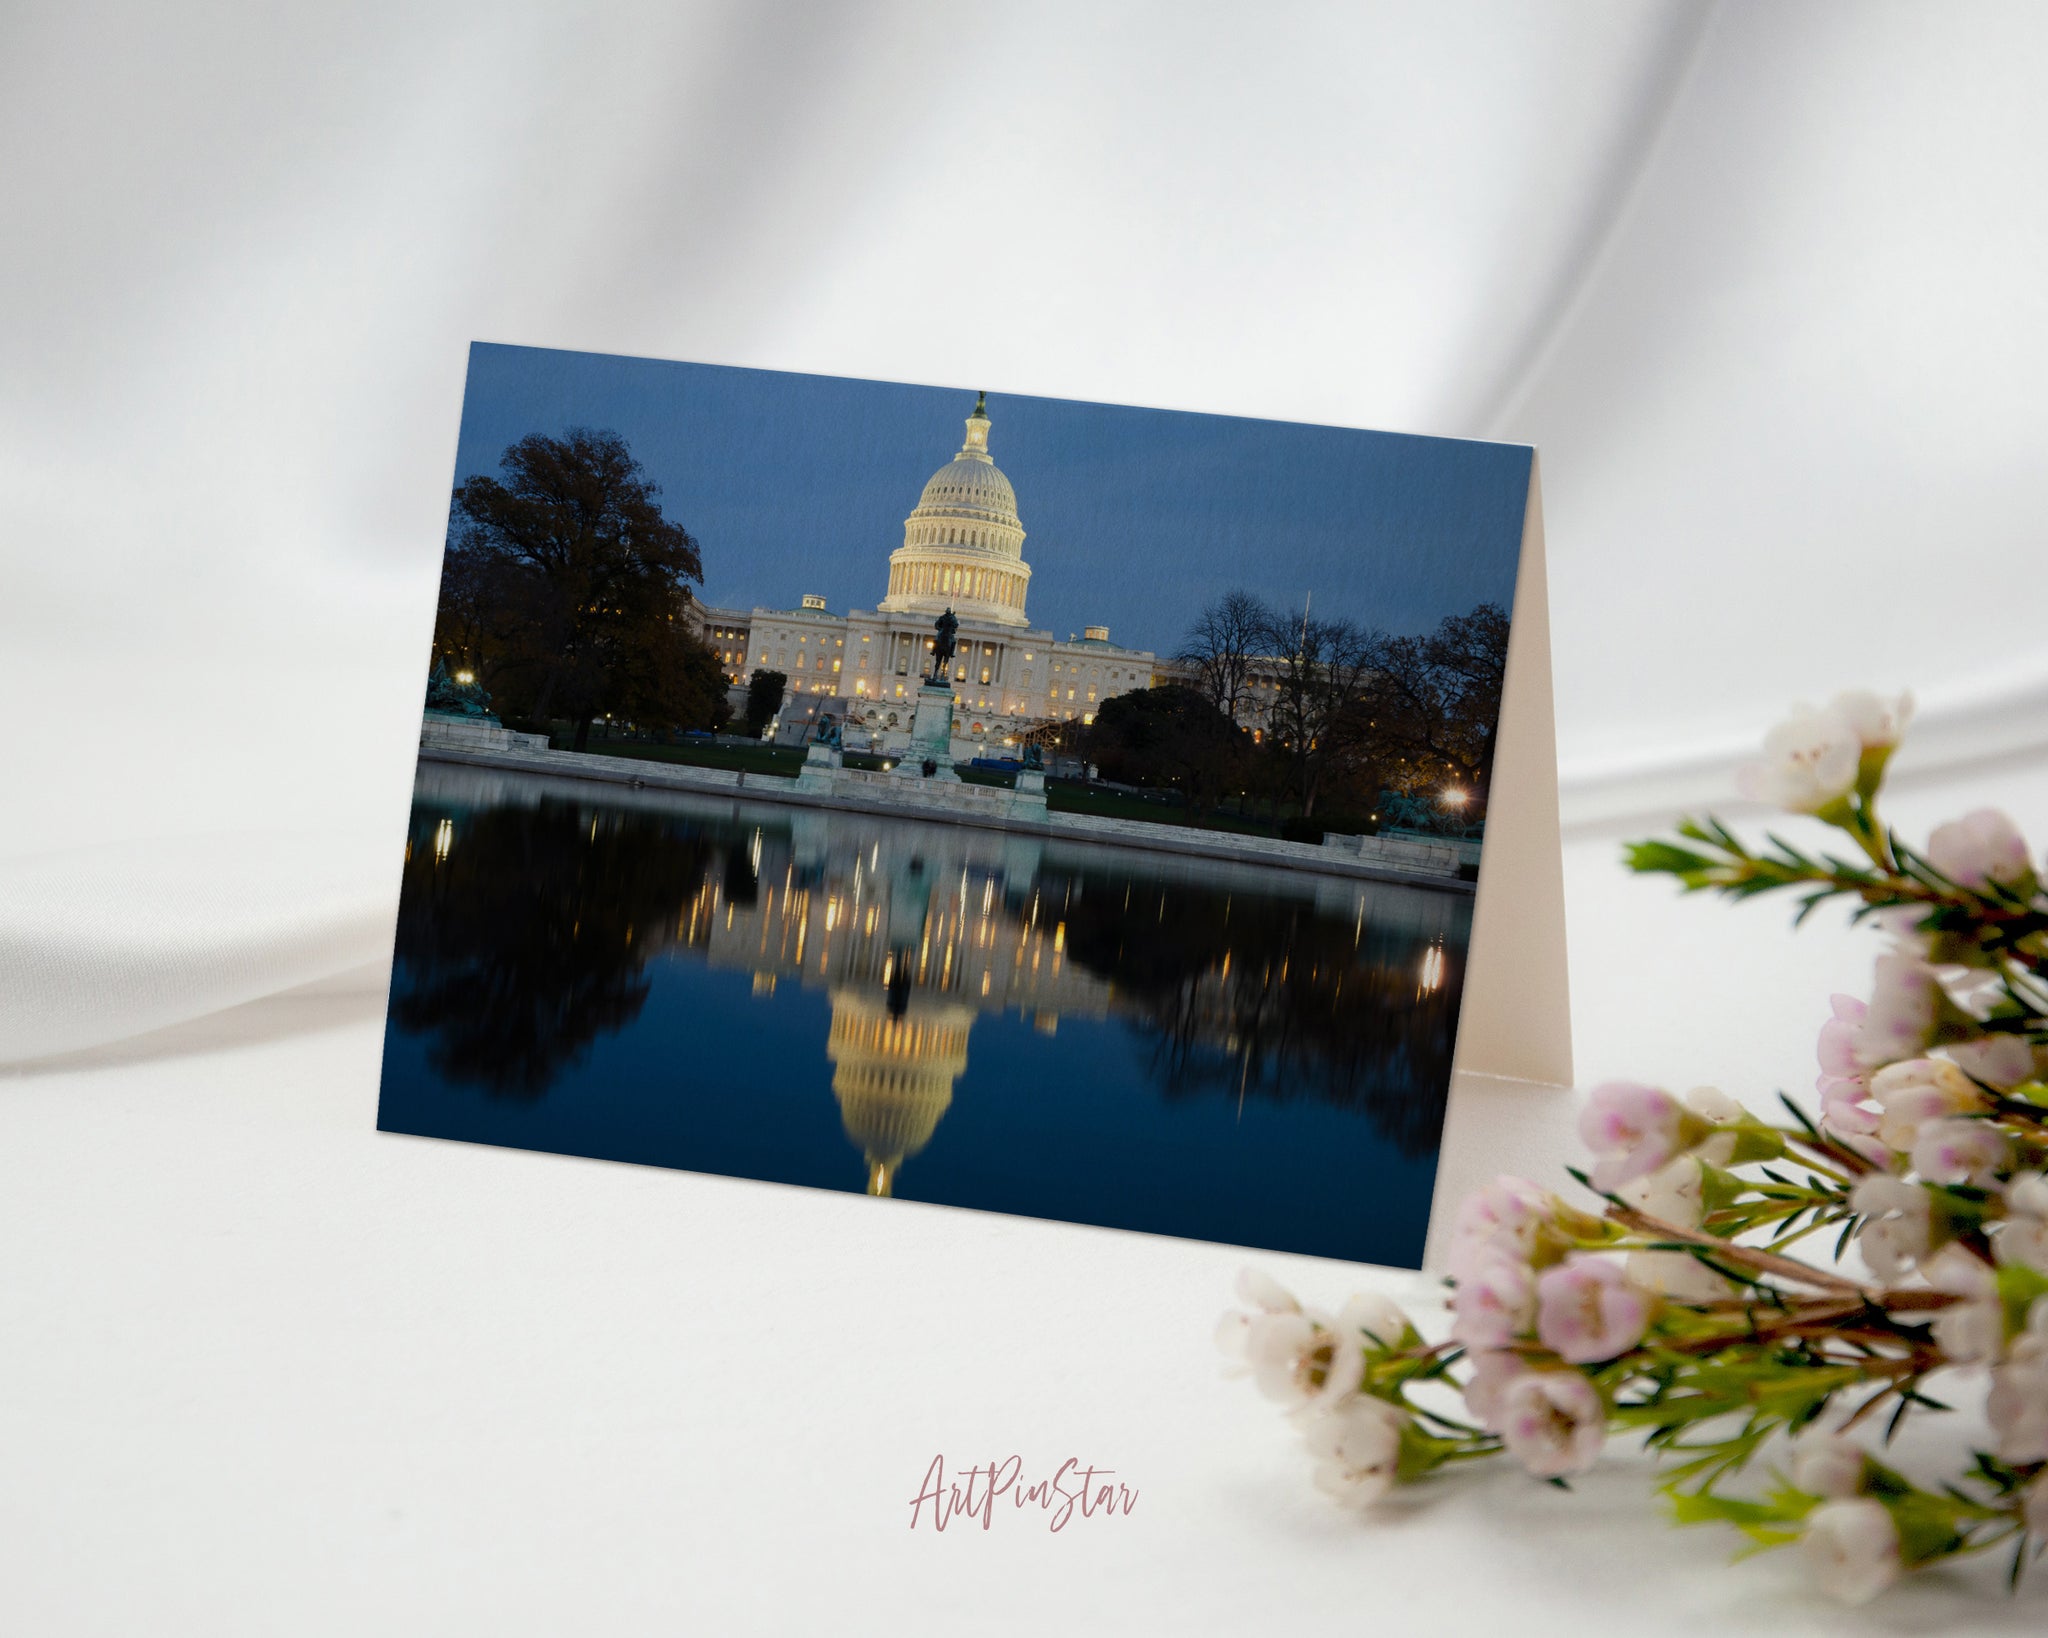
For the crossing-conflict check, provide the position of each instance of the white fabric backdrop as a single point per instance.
(1764, 282)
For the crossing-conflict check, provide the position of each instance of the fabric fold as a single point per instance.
(100, 944)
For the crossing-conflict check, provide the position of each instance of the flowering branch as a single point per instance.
(1676, 1311)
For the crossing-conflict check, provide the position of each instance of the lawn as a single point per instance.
(1061, 795)
(781, 760)
(1071, 796)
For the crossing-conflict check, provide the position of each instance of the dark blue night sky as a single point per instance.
(1134, 518)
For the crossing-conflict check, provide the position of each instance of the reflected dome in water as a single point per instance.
(750, 988)
(894, 1076)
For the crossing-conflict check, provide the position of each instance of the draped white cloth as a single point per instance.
(1764, 282)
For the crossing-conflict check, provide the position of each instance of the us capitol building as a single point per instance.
(963, 549)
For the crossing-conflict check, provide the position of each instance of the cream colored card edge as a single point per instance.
(1515, 1022)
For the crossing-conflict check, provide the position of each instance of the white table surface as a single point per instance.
(268, 1370)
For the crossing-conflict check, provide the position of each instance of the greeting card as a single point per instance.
(1122, 816)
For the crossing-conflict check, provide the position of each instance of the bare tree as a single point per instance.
(1226, 638)
(1325, 669)
(1438, 697)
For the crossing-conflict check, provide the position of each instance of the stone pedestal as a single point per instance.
(441, 730)
(821, 769)
(931, 737)
(1028, 800)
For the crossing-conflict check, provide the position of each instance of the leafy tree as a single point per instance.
(1171, 737)
(572, 589)
(764, 698)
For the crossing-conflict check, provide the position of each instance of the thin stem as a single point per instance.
(1786, 1268)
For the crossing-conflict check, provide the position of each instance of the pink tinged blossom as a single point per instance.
(1809, 763)
(2023, 1237)
(1587, 1310)
(1903, 1007)
(1710, 1103)
(1845, 1107)
(1897, 1229)
(1675, 1195)
(1495, 1303)
(1679, 1276)
(1955, 1150)
(1827, 1465)
(1233, 1334)
(1715, 1108)
(1301, 1361)
(1486, 1389)
(1852, 1549)
(1553, 1422)
(1978, 849)
(1846, 1112)
(1262, 1295)
(1903, 925)
(1357, 1449)
(2017, 1406)
(1837, 1048)
(1972, 1331)
(1910, 1094)
(1632, 1131)
(1260, 1292)
(1996, 1060)
(1877, 722)
(1501, 1219)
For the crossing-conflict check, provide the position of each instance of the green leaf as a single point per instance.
(1661, 857)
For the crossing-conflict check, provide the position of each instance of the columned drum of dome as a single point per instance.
(963, 548)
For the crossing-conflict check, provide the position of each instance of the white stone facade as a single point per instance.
(962, 549)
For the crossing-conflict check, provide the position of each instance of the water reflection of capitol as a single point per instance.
(913, 936)
(915, 929)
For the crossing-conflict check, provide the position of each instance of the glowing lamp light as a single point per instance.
(465, 677)
(1432, 976)
(1454, 798)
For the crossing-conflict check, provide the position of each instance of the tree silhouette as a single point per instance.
(570, 589)
(1169, 737)
(528, 939)
(1264, 998)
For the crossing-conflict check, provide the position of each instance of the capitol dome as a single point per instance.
(963, 547)
(966, 485)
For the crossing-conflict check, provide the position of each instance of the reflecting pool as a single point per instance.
(1059, 1029)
